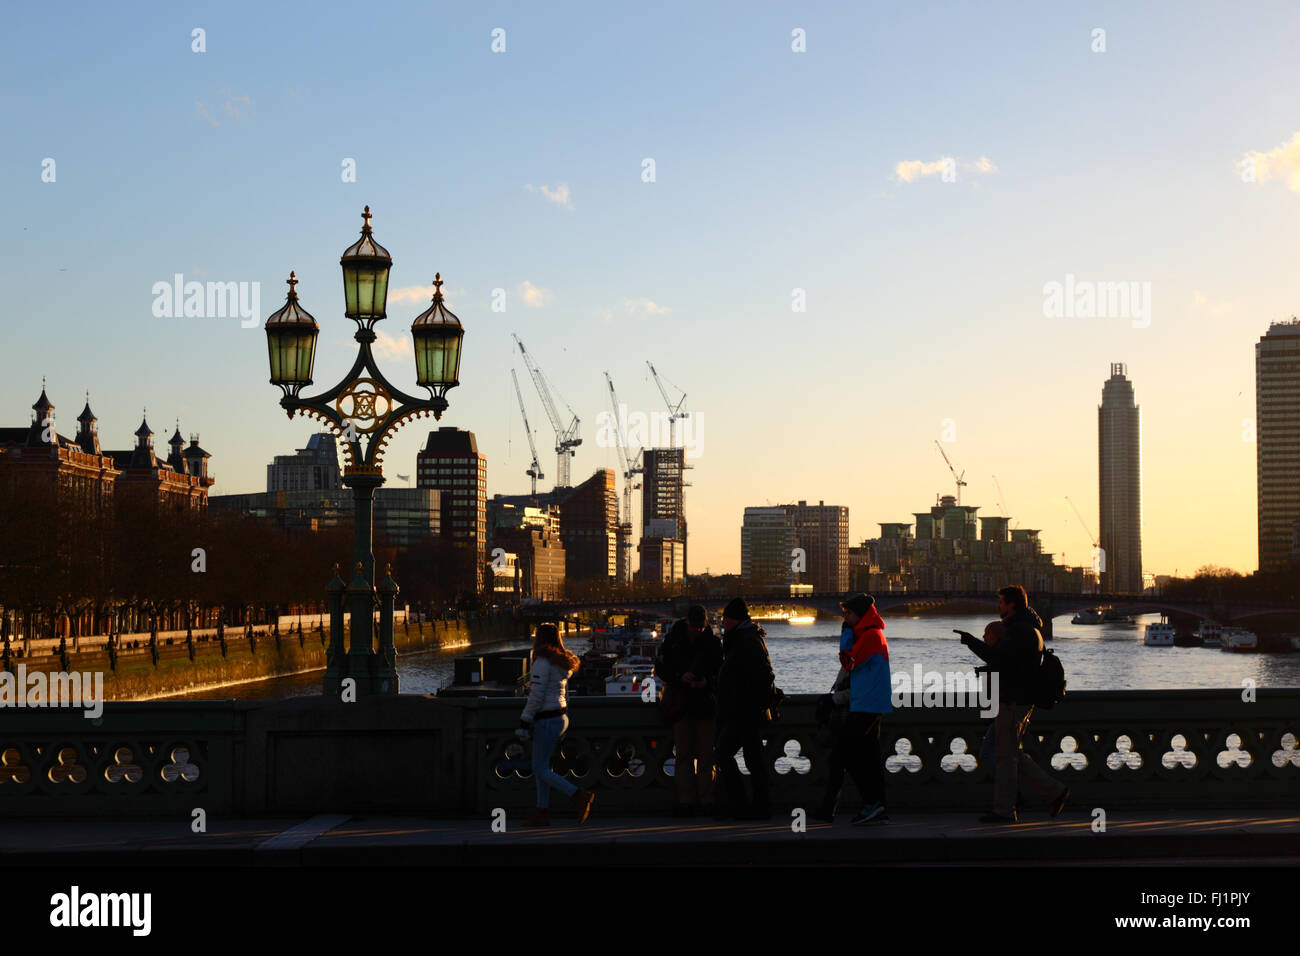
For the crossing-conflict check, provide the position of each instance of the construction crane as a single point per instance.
(566, 439)
(960, 483)
(632, 466)
(1091, 537)
(1002, 503)
(534, 470)
(674, 411)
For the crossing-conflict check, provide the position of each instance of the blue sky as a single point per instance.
(775, 170)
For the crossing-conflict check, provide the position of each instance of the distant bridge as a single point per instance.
(1048, 604)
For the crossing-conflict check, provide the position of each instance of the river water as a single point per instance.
(804, 656)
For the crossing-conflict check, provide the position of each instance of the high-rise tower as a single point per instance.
(1277, 440)
(1119, 447)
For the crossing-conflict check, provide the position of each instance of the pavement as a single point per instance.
(1230, 837)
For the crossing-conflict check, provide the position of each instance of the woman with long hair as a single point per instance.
(546, 719)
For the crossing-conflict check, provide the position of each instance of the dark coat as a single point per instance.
(1016, 656)
(746, 679)
(701, 655)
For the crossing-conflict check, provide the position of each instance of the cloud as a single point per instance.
(644, 307)
(421, 293)
(1280, 162)
(203, 111)
(605, 315)
(232, 105)
(391, 346)
(560, 195)
(1202, 301)
(910, 170)
(534, 296)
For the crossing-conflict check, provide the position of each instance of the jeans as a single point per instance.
(546, 733)
(746, 735)
(988, 746)
(856, 749)
(693, 760)
(1014, 767)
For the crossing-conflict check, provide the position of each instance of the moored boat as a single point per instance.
(1159, 635)
(1210, 634)
(1239, 639)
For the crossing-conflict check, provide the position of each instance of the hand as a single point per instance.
(966, 637)
(845, 659)
(522, 733)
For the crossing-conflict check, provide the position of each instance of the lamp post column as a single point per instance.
(361, 589)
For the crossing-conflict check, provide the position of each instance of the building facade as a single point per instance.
(1119, 447)
(450, 463)
(314, 468)
(767, 545)
(79, 473)
(796, 544)
(403, 516)
(1277, 441)
(663, 516)
(587, 515)
(946, 554)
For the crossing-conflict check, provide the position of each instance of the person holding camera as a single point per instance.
(746, 691)
(1015, 658)
(546, 720)
(855, 748)
(688, 663)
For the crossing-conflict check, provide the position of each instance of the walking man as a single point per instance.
(688, 664)
(745, 685)
(864, 655)
(1015, 659)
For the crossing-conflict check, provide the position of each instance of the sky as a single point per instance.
(845, 251)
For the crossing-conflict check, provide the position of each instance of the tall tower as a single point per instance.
(663, 518)
(1277, 440)
(1119, 446)
(450, 462)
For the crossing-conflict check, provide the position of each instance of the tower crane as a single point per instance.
(566, 439)
(674, 411)
(632, 466)
(1091, 537)
(1002, 500)
(960, 483)
(534, 469)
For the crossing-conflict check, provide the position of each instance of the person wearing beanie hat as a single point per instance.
(746, 688)
(864, 655)
(736, 610)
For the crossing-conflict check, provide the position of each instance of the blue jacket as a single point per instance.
(865, 655)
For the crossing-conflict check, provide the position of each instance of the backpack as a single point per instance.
(1048, 686)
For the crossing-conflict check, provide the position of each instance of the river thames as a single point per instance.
(804, 656)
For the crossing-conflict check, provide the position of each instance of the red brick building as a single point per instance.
(37, 461)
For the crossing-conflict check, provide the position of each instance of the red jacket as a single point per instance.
(868, 639)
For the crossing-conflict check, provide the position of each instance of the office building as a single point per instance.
(663, 517)
(588, 524)
(450, 463)
(767, 547)
(314, 468)
(769, 538)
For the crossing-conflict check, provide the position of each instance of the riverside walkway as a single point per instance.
(921, 838)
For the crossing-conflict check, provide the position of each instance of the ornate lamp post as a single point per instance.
(365, 405)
